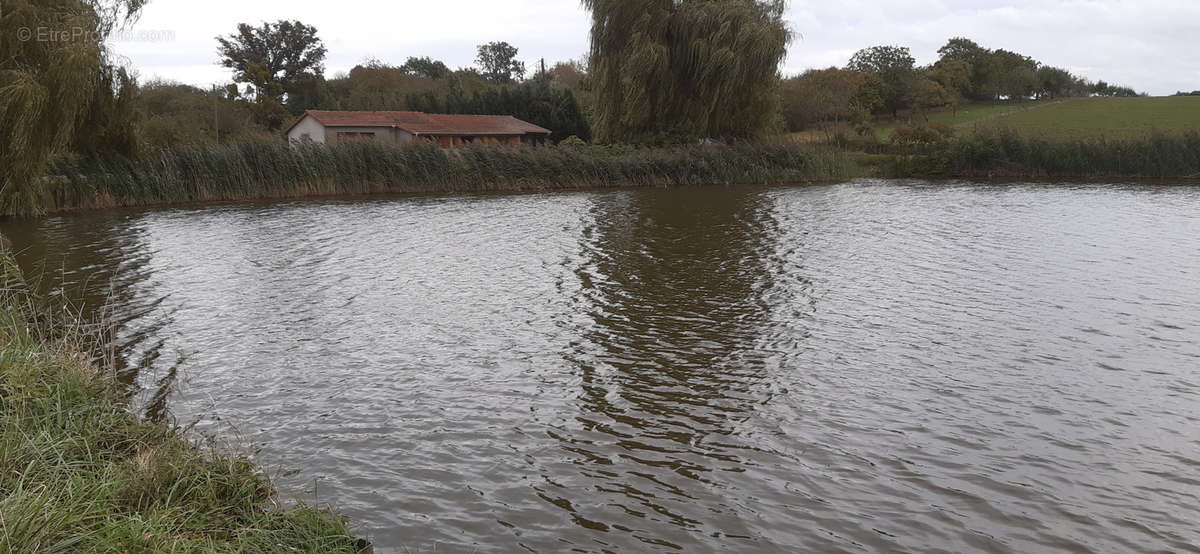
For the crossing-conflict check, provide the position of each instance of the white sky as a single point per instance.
(1150, 45)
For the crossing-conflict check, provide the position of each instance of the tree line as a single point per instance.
(279, 73)
(657, 72)
(886, 80)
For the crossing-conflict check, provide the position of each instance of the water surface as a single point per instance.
(869, 366)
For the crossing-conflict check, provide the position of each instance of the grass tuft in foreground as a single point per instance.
(273, 169)
(81, 473)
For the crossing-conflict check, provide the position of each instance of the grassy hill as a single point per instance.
(1095, 117)
(1071, 118)
(971, 114)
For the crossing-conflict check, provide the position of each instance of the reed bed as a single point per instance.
(1006, 153)
(271, 169)
(82, 473)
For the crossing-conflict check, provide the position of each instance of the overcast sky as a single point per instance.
(1150, 45)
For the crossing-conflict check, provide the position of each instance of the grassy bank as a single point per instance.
(83, 474)
(271, 169)
(1006, 153)
(1050, 119)
(1100, 118)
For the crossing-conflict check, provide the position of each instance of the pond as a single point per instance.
(871, 365)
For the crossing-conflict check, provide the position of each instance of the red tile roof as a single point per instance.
(419, 123)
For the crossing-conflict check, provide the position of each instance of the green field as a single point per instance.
(964, 117)
(1097, 117)
(1074, 118)
(975, 113)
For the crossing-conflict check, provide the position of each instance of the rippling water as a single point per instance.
(858, 367)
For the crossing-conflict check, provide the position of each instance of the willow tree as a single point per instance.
(683, 69)
(52, 62)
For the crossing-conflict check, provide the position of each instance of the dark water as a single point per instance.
(857, 367)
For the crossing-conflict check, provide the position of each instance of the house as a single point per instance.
(332, 127)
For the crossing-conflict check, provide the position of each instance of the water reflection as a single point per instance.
(98, 263)
(865, 366)
(669, 363)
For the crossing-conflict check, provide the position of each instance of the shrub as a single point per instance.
(922, 133)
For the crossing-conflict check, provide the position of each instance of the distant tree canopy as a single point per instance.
(372, 85)
(51, 89)
(276, 59)
(895, 69)
(426, 67)
(833, 95)
(498, 62)
(997, 74)
(666, 70)
(886, 79)
(172, 114)
(568, 74)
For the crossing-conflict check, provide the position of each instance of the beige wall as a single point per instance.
(382, 134)
(310, 129)
(307, 129)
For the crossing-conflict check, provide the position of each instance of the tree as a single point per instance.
(1054, 82)
(47, 87)
(926, 93)
(109, 126)
(953, 75)
(962, 49)
(984, 84)
(426, 67)
(820, 96)
(1016, 74)
(894, 66)
(497, 61)
(274, 58)
(374, 85)
(569, 74)
(664, 70)
(310, 91)
(1102, 88)
(172, 114)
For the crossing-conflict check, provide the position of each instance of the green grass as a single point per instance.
(962, 117)
(975, 113)
(1109, 118)
(81, 473)
(272, 169)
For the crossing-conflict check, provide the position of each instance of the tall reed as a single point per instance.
(1006, 153)
(271, 169)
